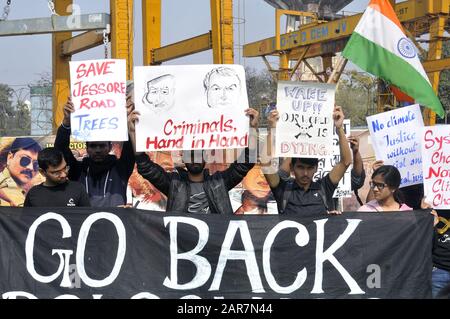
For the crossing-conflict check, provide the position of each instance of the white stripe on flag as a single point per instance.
(372, 24)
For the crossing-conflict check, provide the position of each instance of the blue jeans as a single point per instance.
(440, 278)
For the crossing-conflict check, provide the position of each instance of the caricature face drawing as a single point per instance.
(160, 93)
(223, 88)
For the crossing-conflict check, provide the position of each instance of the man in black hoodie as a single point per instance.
(104, 176)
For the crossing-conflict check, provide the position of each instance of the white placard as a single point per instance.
(436, 165)
(396, 140)
(305, 127)
(185, 107)
(326, 164)
(98, 90)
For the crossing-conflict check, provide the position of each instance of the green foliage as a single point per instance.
(356, 92)
(261, 87)
(15, 117)
(261, 90)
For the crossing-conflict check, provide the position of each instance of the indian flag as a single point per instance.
(379, 46)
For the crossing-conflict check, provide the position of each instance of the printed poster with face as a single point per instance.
(98, 90)
(305, 127)
(436, 165)
(188, 107)
(396, 141)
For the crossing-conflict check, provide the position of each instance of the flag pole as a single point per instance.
(337, 71)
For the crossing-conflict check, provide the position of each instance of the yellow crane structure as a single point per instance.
(219, 38)
(325, 38)
(316, 39)
(117, 28)
(99, 28)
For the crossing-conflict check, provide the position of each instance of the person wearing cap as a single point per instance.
(21, 168)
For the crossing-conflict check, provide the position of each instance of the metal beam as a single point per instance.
(319, 49)
(299, 60)
(60, 67)
(82, 42)
(434, 53)
(151, 27)
(431, 66)
(280, 12)
(411, 10)
(182, 48)
(84, 22)
(222, 31)
(313, 71)
(122, 32)
(227, 32)
(307, 35)
(216, 31)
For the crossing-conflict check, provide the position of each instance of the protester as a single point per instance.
(56, 190)
(104, 176)
(440, 277)
(358, 174)
(21, 168)
(194, 190)
(302, 195)
(385, 185)
(411, 195)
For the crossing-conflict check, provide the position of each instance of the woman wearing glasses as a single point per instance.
(385, 187)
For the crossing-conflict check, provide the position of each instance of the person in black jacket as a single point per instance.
(194, 190)
(104, 176)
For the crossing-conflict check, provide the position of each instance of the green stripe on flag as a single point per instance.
(393, 69)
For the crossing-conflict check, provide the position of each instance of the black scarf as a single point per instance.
(98, 169)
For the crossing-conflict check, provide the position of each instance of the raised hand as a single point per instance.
(354, 144)
(68, 109)
(133, 117)
(273, 118)
(338, 116)
(377, 164)
(254, 117)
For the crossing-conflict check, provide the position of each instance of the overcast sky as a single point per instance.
(24, 58)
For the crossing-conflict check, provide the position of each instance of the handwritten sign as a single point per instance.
(305, 128)
(98, 90)
(326, 164)
(396, 141)
(188, 107)
(436, 165)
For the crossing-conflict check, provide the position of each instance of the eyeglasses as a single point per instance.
(25, 161)
(380, 186)
(60, 171)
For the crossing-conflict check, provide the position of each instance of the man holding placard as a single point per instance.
(104, 176)
(194, 190)
(300, 194)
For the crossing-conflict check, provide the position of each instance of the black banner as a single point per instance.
(128, 253)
